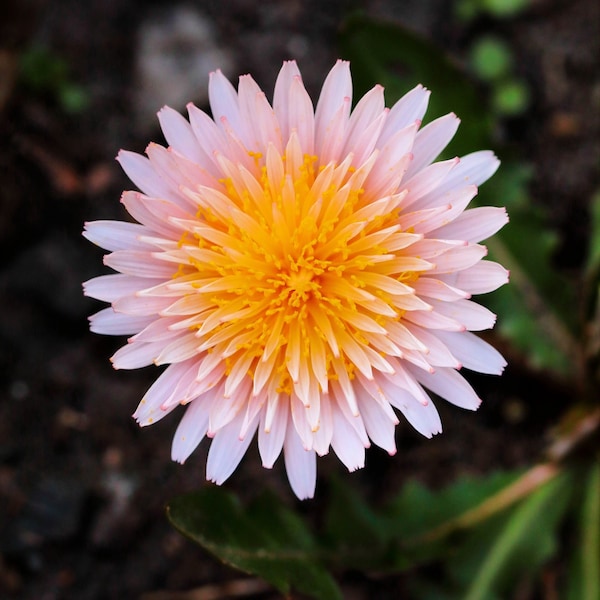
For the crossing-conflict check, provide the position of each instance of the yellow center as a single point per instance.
(290, 274)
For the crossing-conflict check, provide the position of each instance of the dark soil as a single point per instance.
(82, 488)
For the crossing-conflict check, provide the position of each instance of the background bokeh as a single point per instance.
(82, 489)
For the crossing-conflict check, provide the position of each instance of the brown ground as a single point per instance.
(82, 489)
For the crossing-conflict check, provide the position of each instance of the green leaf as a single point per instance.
(513, 546)
(266, 539)
(355, 534)
(398, 59)
(584, 575)
(416, 511)
(593, 260)
(422, 522)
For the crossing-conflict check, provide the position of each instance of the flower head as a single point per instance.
(304, 273)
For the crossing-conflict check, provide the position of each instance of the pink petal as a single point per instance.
(191, 430)
(112, 287)
(391, 165)
(210, 138)
(141, 172)
(346, 443)
(140, 264)
(182, 348)
(473, 169)
(483, 277)
(423, 417)
(179, 135)
(328, 147)
(152, 213)
(474, 225)
(322, 437)
(224, 104)
(301, 117)
(108, 322)
(335, 93)
(410, 108)
(257, 113)
(431, 140)
(226, 450)
(473, 352)
(451, 386)
(270, 442)
(149, 409)
(379, 426)
(471, 315)
(135, 355)
(435, 288)
(426, 180)
(457, 259)
(438, 354)
(116, 235)
(141, 305)
(300, 464)
(369, 108)
(282, 93)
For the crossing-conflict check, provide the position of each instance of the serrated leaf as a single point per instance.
(584, 573)
(266, 539)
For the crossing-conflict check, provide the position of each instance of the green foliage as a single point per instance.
(593, 262)
(265, 539)
(45, 73)
(521, 541)
(482, 552)
(584, 575)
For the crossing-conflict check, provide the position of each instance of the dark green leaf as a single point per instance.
(584, 575)
(355, 533)
(266, 539)
(514, 545)
(593, 261)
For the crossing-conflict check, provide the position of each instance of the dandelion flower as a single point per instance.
(305, 273)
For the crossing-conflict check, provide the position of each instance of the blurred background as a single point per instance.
(82, 489)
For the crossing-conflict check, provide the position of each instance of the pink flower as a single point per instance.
(305, 274)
